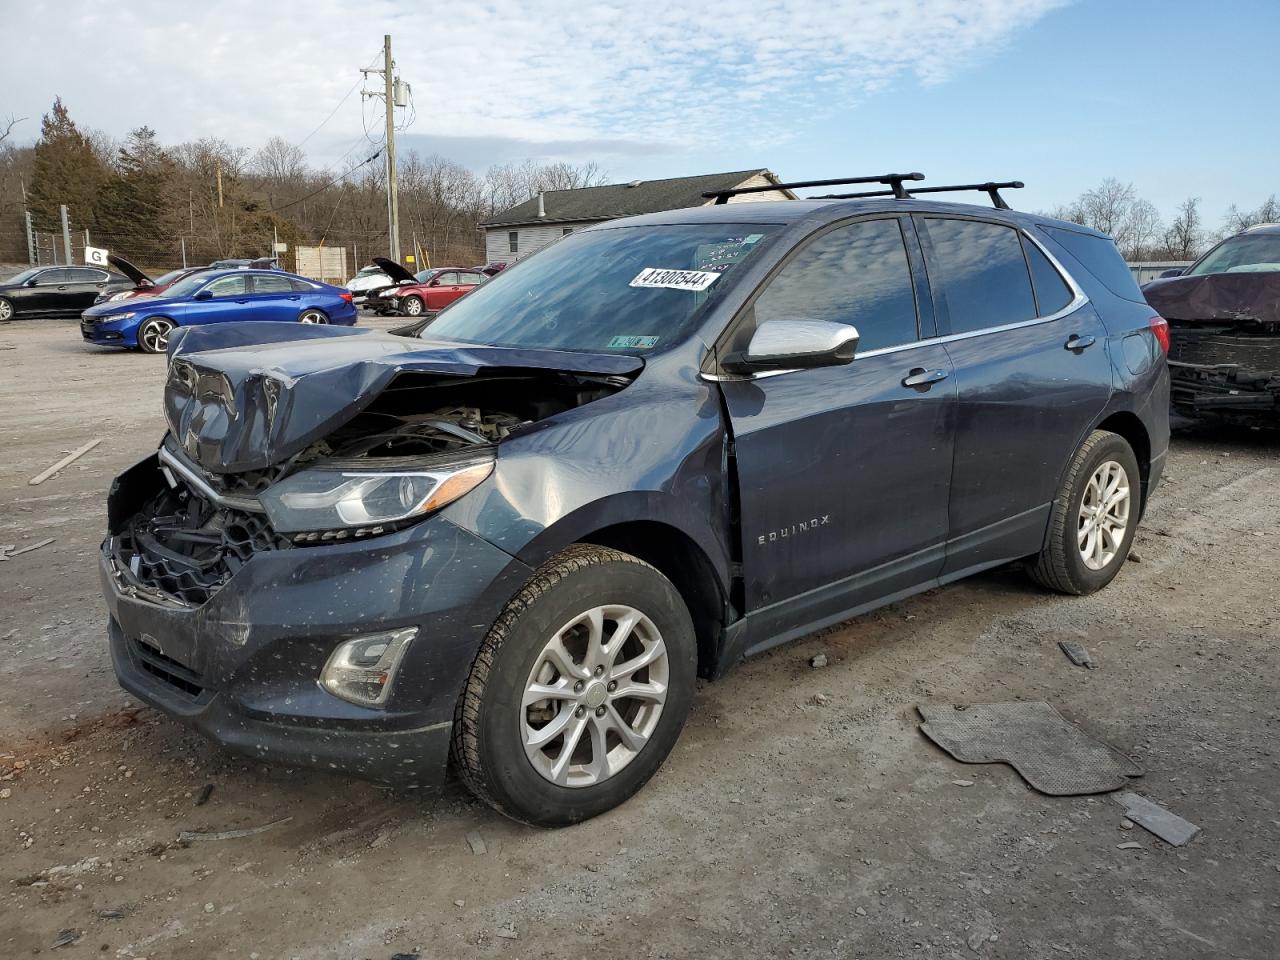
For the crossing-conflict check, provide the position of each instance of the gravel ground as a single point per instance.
(802, 813)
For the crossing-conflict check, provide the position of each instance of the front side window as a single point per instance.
(856, 274)
(51, 278)
(447, 279)
(630, 290)
(1256, 253)
(977, 273)
(229, 287)
(513, 241)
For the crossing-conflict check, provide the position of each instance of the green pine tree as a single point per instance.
(65, 171)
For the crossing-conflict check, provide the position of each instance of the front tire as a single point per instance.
(6, 310)
(153, 336)
(579, 691)
(413, 306)
(1093, 519)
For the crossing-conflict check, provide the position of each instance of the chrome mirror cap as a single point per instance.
(795, 344)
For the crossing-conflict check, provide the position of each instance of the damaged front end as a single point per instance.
(1224, 350)
(327, 438)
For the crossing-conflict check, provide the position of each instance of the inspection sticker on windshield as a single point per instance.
(630, 343)
(695, 280)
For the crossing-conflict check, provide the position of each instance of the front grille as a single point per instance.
(1257, 353)
(186, 547)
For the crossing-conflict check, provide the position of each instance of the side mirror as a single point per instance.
(794, 345)
(1176, 272)
(204, 294)
(33, 282)
(434, 283)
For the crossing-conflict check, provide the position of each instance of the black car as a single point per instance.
(1224, 327)
(645, 452)
(56, 291)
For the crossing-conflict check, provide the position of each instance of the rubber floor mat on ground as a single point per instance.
(1050, 752)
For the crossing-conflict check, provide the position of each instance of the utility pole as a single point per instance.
(219, 186)
(66, 233)
(391, 92)
(31, 241)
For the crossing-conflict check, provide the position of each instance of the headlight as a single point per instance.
(113, 317)
(335, 504)
(125, 295)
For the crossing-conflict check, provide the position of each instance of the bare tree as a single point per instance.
(1141, 228)
(1236, 219)
(280, 160)
(9, 125)
(1186, 232)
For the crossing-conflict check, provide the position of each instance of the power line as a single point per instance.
(341, 176)
(345, 98)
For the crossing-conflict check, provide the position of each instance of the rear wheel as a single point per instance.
(412, 306)
(313, 316)
(1094, 517)
(579, 691)
(153, 336)
(6, 310)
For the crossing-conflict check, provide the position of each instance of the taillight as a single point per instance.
(1160, 327)
(350, 298)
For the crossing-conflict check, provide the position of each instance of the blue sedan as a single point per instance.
(215, 296)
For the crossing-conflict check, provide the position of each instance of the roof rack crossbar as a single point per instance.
(991, 188)
(892, 180)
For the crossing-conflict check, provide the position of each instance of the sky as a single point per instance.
(1175, 96)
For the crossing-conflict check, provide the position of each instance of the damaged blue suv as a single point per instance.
(652, 449)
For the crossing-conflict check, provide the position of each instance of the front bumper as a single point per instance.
(243, 667)
(1224, 389)
(107, 334)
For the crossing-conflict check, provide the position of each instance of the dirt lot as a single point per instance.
(802, 814)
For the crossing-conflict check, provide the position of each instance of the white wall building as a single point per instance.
(527, 226)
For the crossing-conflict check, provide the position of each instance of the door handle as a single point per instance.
(1077, 344)
(242, 301)
(295, 298)
(920, 377)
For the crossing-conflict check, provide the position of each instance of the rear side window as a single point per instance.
(263, 283)
(300, 287)
(1101, 258)
(1052, 292)
(977, 273)
(857, 274)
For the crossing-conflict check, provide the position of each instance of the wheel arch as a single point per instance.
(1129, 426)
(682, 561)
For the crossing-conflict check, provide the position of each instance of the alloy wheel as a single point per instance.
(413, 306)
(1104, 515)
(313, 316)
(594, 696)
(6, 310)
(154, 335)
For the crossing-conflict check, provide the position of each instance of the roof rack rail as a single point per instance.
(991, 188)
(892, 180)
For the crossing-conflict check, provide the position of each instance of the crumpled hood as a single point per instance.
(1217, 296)
(244, 396)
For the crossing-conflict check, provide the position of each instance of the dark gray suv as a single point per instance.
(655, 447)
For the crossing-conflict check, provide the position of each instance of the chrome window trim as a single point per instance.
(202, 486)
(1078, 299)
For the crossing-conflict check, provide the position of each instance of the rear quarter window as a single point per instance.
(1100, 257)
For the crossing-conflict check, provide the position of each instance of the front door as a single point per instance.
(442, 291)
(842, 471)
(46, 293)
(1032, 371)
(228, 300)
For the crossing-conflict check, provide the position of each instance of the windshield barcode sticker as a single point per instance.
(694, 280)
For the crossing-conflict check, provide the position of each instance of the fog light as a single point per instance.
(362, 670)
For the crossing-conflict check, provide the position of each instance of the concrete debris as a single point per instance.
(110, 914)
(1153, 818)
(1129, 845)
(7, 552)
(66, 461)
(963, 783)
(476, 843)
(818, 661)
(507, 933)
(65, 938)
(1076, 653)
(190, 836)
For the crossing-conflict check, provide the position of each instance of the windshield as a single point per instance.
(187, 286)
(422, 276)
(629, 289)
(169, 277)
(24, 276)
(1255, 254)
(369, 272)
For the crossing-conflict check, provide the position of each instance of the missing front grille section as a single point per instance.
(167, 669)
(186, 547)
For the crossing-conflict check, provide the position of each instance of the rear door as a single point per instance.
(842, 471)
(273, 298)
(1030, 360)
(83, 286)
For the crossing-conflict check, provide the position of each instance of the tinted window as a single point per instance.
(299, 286)
(229, 286)
(1052, 292)
(51, 277)
(263, 283)
(857, 275)
(84, 275)
(1101, 258)
(626, 289)
(977, 273)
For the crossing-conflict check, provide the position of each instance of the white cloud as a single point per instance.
(541, 70)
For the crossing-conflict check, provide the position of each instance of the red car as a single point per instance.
(427, 292)
(143, 286)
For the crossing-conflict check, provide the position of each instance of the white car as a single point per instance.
(369, 278)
